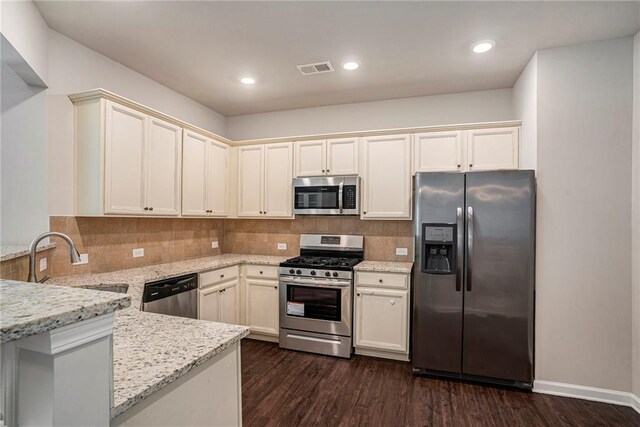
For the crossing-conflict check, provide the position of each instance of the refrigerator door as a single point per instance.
(437, 298)
(499, 282)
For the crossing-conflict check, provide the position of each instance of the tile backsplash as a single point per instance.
(110, 241)
(18, 268)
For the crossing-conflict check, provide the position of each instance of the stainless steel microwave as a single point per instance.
(326, 195)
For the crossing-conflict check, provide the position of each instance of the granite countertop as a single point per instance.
(385, 266)
(8, 252)
(31, 308)
(143, 362)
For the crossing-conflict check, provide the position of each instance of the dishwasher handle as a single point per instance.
(165, 288)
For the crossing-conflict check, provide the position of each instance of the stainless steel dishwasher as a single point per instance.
(177, 296)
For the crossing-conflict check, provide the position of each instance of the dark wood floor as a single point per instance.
(281, 387)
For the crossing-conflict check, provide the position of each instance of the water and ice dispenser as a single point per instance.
(439, 248)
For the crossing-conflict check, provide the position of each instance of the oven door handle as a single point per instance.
(316, 283)
(340, 195)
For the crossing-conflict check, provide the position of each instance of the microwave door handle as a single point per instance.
(340, 195)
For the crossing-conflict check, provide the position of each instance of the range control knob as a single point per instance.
(326, 273)
(298, 272)
(335, 274)
(292, 271)
(313, 272)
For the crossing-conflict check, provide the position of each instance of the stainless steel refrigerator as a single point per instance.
(473, 280)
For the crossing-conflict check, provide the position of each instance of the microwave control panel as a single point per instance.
(349, 197)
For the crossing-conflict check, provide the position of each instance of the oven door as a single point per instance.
(326, 196)
(316, 305)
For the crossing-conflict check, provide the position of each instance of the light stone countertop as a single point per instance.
(384, 266)
(31, 308)
(8, 252)
(145, 362)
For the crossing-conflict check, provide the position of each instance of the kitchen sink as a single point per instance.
(120, 288)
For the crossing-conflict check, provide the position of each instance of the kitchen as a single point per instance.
(162, 174)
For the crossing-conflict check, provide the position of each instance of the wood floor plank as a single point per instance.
(288, 388)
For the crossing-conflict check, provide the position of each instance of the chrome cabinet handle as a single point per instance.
(340, 195)
(469, 248)
(460, 249)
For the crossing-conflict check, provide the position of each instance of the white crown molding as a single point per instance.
(587, 393)
(105, 94)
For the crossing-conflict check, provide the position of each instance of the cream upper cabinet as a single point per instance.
(204, 178)
(496, 148)
(164, 164)
(278, 160)
(124, 180)
(250, 180)
(264, 180)
(438, 151)
(327, 157)
(342, 156)
(386, 177)
(262, 309)
(311, 158)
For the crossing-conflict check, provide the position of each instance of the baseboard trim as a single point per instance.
(588, 393)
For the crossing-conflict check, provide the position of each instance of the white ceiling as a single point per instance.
(200, 49)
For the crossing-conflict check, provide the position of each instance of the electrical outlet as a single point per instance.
(214, 244)
(282, 246)
(84, 259)
(137, 253)
(402, 251)
(43, 264)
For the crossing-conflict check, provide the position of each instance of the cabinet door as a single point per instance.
(250, 173)
(163, 151)
(194, 167)
(209, 304)
(489, 149)
(125, 135)
(310, 158)
(386, 178)
(229, 307)
(278, 159)
(437, 151)
(262, 306)
(218, 155)
(342, 156)
(382, 320)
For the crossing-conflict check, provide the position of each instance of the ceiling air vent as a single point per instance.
(315, 68)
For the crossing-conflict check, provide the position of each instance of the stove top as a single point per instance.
(333, 263)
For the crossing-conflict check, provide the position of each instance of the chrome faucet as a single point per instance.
(73, 252)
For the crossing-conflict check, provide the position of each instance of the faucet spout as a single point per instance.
(73, 252)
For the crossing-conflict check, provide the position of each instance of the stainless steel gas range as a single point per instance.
(316, 291)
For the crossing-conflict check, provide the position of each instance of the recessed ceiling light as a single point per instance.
(483, 46)
(248, 81)
(350, 66)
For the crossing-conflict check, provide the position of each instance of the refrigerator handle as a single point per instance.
(469, 247)
(460, 251)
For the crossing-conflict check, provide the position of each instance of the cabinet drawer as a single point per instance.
(382, 280)
(262, 271)
(218, 276)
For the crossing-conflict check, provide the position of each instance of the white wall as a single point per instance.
(75, 68)
(635, 217)
(23, 26)
(23, 176)
(583, 323)
(525, 107)
(483, 106)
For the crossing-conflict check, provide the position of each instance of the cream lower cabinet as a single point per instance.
(264, 180)
(386, 177)
(219, 295)
(381, 316)
(204, 176)
(262, 301)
